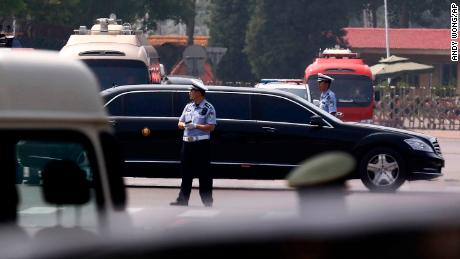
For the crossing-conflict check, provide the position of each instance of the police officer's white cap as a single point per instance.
(196, 83)
(323, 77)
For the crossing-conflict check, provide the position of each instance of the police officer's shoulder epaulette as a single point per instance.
(208, 105)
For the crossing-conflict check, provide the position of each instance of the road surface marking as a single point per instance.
(134, 210)
(199, 213)
(39, 210)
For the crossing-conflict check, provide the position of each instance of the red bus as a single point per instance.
(352, 85)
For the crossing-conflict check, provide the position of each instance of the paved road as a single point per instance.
(264, 200)
(148, 199)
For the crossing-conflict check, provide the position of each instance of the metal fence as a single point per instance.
(418, 108)
(409, 107)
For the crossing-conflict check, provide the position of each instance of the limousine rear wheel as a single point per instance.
(382, 170)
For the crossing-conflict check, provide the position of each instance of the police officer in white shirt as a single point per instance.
(197, 120)
(328, 102)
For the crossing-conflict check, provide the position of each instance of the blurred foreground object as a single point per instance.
(56, 139)
(320, 182)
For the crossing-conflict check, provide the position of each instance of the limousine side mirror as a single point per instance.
(316, 120)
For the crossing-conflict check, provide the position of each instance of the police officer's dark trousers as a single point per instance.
(195, 158)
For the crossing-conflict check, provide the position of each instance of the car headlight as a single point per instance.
(417, 144)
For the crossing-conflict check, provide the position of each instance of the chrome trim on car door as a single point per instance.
(152, 161)
(213, 163)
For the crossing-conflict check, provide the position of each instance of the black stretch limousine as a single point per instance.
(261, 134)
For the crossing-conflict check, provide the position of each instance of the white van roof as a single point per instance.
(106, 38)
(105, 51)
(105, 47)
(41, 85)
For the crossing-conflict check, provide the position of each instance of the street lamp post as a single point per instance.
(387, 42)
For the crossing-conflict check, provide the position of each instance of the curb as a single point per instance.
(451, 134)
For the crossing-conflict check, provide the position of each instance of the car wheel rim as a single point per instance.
(382, 170)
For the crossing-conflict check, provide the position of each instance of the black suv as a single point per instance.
(261, 134)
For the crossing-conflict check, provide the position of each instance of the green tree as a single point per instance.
(189, 19)
(405, 13)
(46, 23)
(229, 21)
(10, 8)
(355, 9)
(133, 10)
(127, 10)
(178, 10)
(283, 38)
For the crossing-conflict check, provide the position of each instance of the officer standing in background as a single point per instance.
(197, 120)
(327, 100)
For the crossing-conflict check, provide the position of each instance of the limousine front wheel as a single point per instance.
(382, 169)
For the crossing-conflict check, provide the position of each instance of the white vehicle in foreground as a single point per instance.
(61, 166)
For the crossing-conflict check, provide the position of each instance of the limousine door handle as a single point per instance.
(269, 129)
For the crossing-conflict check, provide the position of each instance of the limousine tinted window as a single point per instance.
(270, 108)
(230, 105)
(115, 107)
(148, 104)
(180, 100)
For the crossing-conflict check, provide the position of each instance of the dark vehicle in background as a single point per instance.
(261, 134)
(8, 40)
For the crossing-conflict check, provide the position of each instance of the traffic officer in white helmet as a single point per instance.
(328, 102)
(198, 120)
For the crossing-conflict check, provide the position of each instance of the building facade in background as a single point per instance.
(426, 46)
